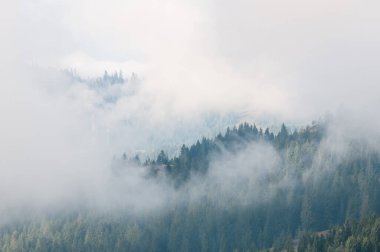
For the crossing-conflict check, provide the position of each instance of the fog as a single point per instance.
(270, 61)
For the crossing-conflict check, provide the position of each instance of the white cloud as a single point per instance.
(294, 60)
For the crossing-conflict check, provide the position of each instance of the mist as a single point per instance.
(260, 61)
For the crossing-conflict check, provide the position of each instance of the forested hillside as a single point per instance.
(247, 189)
(351, 236)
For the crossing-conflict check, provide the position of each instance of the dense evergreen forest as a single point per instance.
(351, 236)
(311, 184)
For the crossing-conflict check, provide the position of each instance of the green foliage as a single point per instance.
(325, 190)
(352, 236)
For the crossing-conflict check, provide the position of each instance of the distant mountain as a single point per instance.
(113, 90)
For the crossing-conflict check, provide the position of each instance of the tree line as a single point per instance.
(326, 190)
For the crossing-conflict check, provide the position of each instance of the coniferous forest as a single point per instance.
(189, 126)
(310, 196)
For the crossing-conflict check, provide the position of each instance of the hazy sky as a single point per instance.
(292, 59)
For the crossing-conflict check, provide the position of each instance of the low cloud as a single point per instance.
(290, 61)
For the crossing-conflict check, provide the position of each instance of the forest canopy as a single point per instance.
(247, 189)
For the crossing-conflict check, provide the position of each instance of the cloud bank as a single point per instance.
(293, 61)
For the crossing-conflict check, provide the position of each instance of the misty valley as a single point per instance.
(316, 188)
(189, 126)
